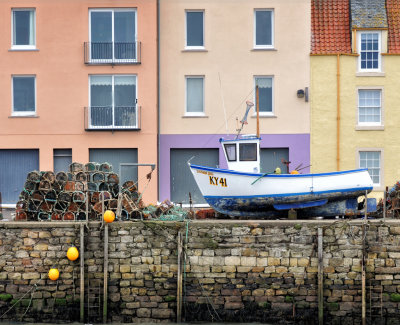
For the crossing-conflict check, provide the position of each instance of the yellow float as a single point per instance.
(109, 216)
(53, 274)
(72, 253)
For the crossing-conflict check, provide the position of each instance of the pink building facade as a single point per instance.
(78, 83)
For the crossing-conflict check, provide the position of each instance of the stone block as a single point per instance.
(248, 261)
(161, 313)
(233, 305)
(232, 260)
(303, 262)
(274, 261)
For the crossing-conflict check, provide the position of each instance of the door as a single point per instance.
(182, 181)
(116, 157)
(271, 158)
(14, 167)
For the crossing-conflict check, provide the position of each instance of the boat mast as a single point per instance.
(258, 112)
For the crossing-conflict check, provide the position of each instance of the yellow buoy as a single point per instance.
(109, 216)
(72, 253)
(54, 274)
(294, 172)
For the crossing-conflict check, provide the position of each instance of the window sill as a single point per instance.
(195, 116)
(23, 50)
(257, 49)
(194, 50)
(370, 74)
(370, 128)
(265, 116)
(23, 116)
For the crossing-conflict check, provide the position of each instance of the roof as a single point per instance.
(330, 27)
(368, 14)
(393, 17)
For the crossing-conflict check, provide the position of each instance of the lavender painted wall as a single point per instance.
(298, 144)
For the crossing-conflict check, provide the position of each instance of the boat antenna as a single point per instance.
(244, 119)
(223, 103)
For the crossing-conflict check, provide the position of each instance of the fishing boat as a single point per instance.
(242, 190)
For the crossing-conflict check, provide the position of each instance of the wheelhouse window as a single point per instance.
(194, 29)
(194, 96)
(369, 106)
(113, 35)
(372, 161)
(230, 150)
(23, 29)
(24, 95)
(248, 151)
(370, 51)
(265, 85)
(113, 101)
(263, 31)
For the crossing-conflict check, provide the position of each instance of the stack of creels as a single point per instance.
(392, 203)
(82, 193)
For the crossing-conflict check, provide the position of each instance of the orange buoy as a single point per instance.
(294, 172)
(54, 274)
(72, 253)
(109, 216)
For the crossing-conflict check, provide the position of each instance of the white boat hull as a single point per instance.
(249, 194)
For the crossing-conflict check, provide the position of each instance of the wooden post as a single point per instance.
(179, 280)
(363, 287)
(105, 292)
(320, 277)
(258, 112)
(82, 285)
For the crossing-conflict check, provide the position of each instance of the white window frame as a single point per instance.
(272, 113)
(370, 125)
(379, 33)
(380, 185)
(113, 10)
(189, 47)
(23, 113)
(113, 92)
(23, 47)
(266, 46)
(186, 96)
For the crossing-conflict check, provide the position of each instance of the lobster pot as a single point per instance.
(81, 176)
(30, 187)
(124, 215)
(105, 167)
(60, 207)
(98, 177)
(37, 196)
(71, 177)
(92, 187)
(114, 190)
(33, 177)
(55, 216)
(44, 185)
(62, 177)
(49, 176)
(98, 207)
(46, 207)
(64, 197)
(51, 196)
(104, 187)
(44, 216)
(21, 216)
(129, 186)
(113, 179)
(76, 167)
(33, 206)
(73, 207)
(81, 216)
(69, 186)
(23, 196)
(92, 167)
(68, 216)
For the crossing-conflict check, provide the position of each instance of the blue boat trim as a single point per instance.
(289, 194)
(228, 171)
(300, 205)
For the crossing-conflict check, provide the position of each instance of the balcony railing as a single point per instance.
(112, 118)
(112, 53)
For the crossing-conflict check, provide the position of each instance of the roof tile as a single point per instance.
(330, 27)
(393, 17)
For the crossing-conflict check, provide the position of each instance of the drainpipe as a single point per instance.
(338, 112)
(158, 100)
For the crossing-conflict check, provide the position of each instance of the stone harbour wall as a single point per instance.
(232, 270)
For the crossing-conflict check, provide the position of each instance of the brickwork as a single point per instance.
(263, 271)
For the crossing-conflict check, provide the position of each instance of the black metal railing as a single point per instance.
(112, 53)
(112, 118)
